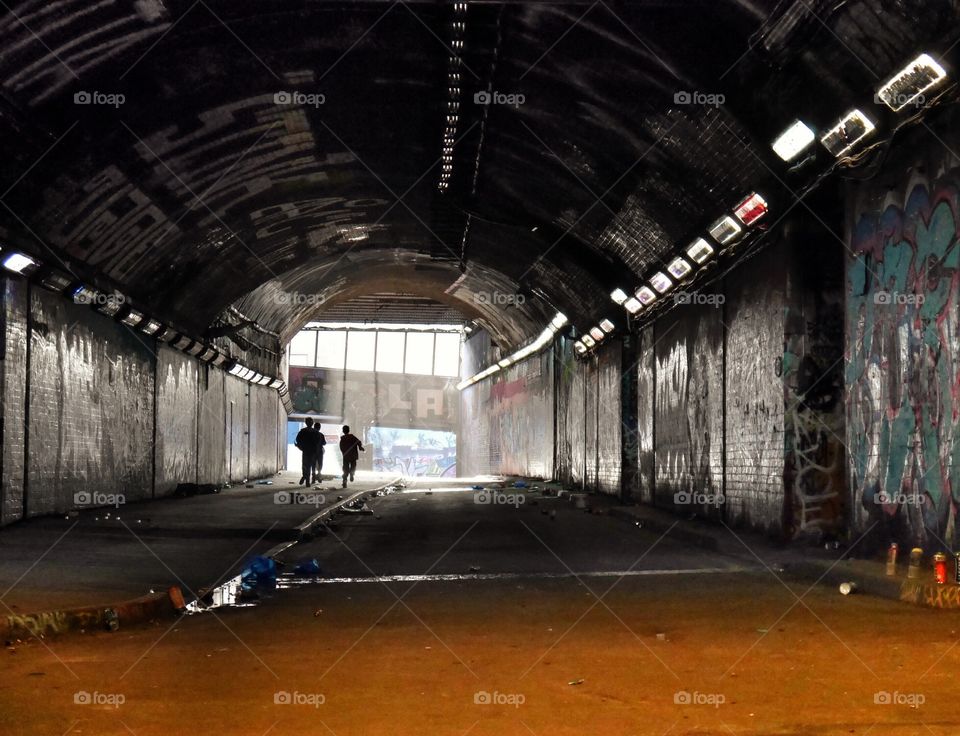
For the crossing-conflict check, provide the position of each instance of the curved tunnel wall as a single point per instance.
(93, 409)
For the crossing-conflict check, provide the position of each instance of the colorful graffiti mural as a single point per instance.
(413, 452)
(902, 376)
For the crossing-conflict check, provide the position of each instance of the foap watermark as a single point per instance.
(897, 297)
(483, 697)
(298, 299)
(295, 97)
(901, 499)
(684, 697)
(83, 697)
(285, 697)
(885, 697)
(498, 298)
(109, 99)
(699, 299)
(710, 99)
(493, 498)
(95, 498)
(686, 498)
(98, 298)
(286, 498)
(898, 100)
(499, 98)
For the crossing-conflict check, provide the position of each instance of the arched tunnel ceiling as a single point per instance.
(200, 189)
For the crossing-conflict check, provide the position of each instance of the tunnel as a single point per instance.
(416, 366)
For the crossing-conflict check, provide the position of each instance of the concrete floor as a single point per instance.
(93, 558)
(599, 652)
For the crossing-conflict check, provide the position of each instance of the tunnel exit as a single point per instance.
(393, 384)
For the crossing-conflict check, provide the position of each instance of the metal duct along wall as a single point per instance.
(903, 343)
(93, 409)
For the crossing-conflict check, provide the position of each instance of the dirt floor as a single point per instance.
(665, 652)
(551, 658)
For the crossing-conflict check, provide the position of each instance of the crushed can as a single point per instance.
(892, 558)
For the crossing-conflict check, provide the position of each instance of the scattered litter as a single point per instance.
(111, 619)
(259, 572)
(476, 488)
(307, 567)
(576, 682)
(357, 506)
(848, 588)
(474, 569)
(661, 637)
(521, 484)
(763, 631)
(264, 482)
(316, 614)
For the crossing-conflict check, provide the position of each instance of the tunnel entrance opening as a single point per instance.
(392, 382)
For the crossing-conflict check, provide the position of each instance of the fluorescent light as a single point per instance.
(751, 209)
(793, 141)
(110, 304)
(150, 327)
(18, 263)
(278, 382)
(632, 305)
(910, 82)
(236, 369)
(679, 268)
(606, 325)
(646, 296)
(56, 282)
(196, 348)
(265, 380)
(661, 282)
(597, 334)
(725, 230)
(579, 347)
(559, 320)
(207, 355)
(619, 296)
(504, 363)
(588, 341)
(854, 127)
(132, 318)
(700, 250)
(84, 295)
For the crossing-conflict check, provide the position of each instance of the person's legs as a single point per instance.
(308, 462)
(318, 472)
(353, 468)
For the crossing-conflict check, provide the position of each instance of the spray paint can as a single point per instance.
(892, 558)
(916, 555)
(940, 568)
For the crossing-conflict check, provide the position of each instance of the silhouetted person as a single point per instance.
(321, 444)
(308, 442)
(350, 448)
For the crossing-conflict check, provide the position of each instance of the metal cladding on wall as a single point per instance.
(646, 389)
(903, 347)
(90, 408)
(93, 409)
(609, 451)
(689, 408)
(507, 420)
(754, 457)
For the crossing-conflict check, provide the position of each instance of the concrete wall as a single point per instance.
(84, 398)
(903, 343)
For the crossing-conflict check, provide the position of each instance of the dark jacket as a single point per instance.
(308, 441)
(350, 447)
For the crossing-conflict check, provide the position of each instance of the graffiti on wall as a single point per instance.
(812, 374)
(902, 364)
(413, 452)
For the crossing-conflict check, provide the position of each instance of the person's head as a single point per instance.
(346, 429)
(308, 421)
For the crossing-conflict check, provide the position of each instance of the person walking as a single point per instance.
(350, 448)
(308, 442)
(321, 444)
